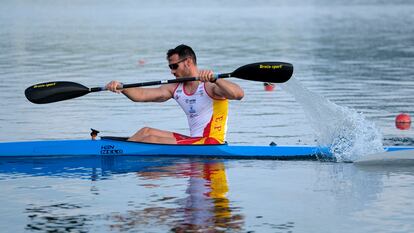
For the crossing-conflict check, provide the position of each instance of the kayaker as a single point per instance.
(205, 102)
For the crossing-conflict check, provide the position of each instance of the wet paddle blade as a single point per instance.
(50, 92)
(272, 72)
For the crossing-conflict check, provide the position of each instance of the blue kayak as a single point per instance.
(116, 146)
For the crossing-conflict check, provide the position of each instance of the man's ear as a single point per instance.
(189, 62)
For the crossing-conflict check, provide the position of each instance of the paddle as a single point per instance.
(43, 93)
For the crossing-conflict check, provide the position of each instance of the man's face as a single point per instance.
(178, 66)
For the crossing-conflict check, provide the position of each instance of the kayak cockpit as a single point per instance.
(125, 139)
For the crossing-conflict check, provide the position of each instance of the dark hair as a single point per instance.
(183, 51)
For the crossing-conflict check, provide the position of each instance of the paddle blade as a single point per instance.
(50, 92)
(272, 72)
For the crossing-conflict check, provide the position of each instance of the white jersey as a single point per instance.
(207, 117)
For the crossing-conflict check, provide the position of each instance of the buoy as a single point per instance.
(403, 121)
(269, 86)
(141, 61)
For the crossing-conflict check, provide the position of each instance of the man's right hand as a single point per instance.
(114, 86)
(206, 76)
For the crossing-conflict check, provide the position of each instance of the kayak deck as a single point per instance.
(116, 146)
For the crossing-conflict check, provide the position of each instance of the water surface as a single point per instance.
(357, 55)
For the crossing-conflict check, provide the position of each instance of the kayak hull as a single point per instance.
(110, 146)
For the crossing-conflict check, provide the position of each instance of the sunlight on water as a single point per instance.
(348, 134)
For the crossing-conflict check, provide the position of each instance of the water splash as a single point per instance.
(346, 132)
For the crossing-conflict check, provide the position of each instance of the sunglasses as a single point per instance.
(174, 66)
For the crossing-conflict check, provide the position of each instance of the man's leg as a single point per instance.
(151, 135)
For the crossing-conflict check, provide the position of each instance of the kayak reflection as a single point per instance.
(201, 205)
(92, 167)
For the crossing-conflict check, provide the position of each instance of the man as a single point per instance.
(205, 102)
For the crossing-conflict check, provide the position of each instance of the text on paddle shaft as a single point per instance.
(110, 150)
(270, 67)
(44, 85)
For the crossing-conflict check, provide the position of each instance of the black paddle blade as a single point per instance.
(50, 92)
(272, 72)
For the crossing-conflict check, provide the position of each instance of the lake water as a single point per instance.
(359, 56)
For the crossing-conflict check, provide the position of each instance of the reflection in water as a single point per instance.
(202, 206)
(49, 219)
(93, 167)
(205, 208)
(400, 141)
(188, 195)
(367, 193)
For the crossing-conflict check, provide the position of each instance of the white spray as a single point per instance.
(346, 132)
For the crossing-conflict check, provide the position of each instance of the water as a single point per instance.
(356, 56)
(346, 132)
(159, 195)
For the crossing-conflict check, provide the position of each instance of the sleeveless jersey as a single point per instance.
(207, 117)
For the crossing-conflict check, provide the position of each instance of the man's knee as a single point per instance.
(150, 138)
(145, 131)
(140, 136)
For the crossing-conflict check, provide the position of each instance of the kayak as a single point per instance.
(118, 146)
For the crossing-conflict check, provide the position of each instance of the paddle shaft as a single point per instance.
(153, 83)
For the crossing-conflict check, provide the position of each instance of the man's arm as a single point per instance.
(138, 94)
(227, 89)
(221, 88)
